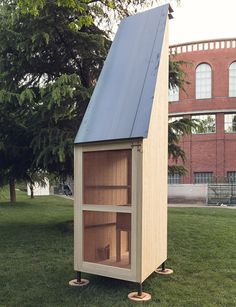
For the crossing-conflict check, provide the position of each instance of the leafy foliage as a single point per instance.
(176, 130)
(47, 75)
(206, 124)
(51, 54)
(181, 127)
(177, 75)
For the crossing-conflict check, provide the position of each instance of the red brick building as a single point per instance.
(211, 98)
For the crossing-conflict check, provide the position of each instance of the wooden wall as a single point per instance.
(107, 177)
(154, 177)
(99, 233)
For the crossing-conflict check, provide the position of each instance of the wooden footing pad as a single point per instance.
(75, 283)
(133, 296)
(164, 272)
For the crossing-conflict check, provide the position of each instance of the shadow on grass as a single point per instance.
(17, 205)
(65, 227)
(106, 284)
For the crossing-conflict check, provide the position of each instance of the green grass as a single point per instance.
(36, 259)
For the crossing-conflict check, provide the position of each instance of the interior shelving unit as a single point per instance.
(105, 209)
(107, 182)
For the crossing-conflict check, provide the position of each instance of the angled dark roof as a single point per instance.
(120, 107)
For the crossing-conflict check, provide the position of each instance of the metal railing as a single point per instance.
(221, 193)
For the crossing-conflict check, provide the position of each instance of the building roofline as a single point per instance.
(204, 41)
(204, 45)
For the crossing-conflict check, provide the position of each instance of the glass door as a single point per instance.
(106, 207)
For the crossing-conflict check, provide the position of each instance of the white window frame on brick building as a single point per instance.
(203, 177)
(231, 177)
(230, 123)
(173, 119)
(206, 124)
(174, 179)
(203, 81)
(174, 94)
(232, 80)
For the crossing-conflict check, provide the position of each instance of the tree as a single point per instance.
(15, 154)
(47, 74)
(178, 128)
(91, 8)
(50, 58)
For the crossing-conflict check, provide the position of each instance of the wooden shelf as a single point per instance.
(99, 225)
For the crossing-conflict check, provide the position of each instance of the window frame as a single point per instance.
(80, 207)
(201, 115)
(229, 80)
(198, 95)
(204, 177)
(173, 93)
(231, 174)
(227, 122)
(175, 179)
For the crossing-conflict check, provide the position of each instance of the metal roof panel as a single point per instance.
(120, 106)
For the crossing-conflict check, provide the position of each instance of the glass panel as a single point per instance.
(231, 177)
(203, 81)
(232, 80)
(203, 177)
(174, 118)
(107, 177)
(107, 238)
(174, 94)
(206, 124)
(174, 179)
(230, 123)
(174, 125)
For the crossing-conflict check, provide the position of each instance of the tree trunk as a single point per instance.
(12, 190)
(31, 190)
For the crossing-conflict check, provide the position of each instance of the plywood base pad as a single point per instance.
(164, 272)
(133, 296)
(75, 283)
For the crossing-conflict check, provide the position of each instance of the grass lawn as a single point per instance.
(36, 259)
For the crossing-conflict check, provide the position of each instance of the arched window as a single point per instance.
(232, 80)
(203, 81)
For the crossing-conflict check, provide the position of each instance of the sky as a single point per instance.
(196, 20)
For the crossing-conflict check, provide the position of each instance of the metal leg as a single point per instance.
(139, 296)
(78, 276)
(163, 270)
(163, 266)
(140, 289)
(78, 282)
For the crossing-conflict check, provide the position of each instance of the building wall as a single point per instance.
(40, 190)
(213, 152)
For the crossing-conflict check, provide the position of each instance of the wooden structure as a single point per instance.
(120, 205)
